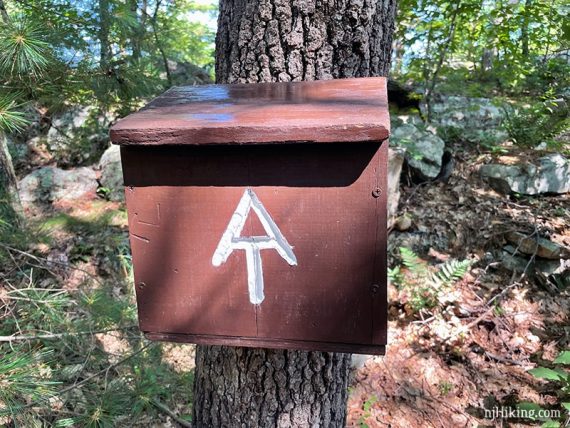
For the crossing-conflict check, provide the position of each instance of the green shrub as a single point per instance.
(537, 123)
(561, 376)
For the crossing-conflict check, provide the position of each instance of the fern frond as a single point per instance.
(412, 261)
(451, 271)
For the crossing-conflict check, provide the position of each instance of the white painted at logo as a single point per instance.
(232, 240)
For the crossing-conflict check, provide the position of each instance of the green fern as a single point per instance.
(412, 261)
(395, 275)
(451, 271)
(423, 285)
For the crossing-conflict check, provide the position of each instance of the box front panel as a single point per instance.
(276, 243)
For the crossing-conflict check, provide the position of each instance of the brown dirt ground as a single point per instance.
(444, 367)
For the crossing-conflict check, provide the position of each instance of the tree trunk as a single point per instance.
(3, 12)
(154, 22)
(443, 51)
(137, 31)
(269, 41)
(8, 182)
(280, 40)
(524, 28)
(104, 21)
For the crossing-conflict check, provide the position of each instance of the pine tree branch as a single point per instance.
(51, 336)
(105, 370)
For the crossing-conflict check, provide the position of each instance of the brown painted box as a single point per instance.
(257, 214)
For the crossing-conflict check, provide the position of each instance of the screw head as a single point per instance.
(141, 285)
(377, 192)
(374, 288)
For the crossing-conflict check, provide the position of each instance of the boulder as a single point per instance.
(186, 73)
(473, 119)
(395, 162)
(76, 133)
(402, 119)
(49, 184)
(549, 174)
(537, 246)
(519, 264)
(464, 112)
(424, 150)
(112, 173)
(18, 151)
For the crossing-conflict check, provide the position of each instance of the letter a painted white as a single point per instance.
(232, 240)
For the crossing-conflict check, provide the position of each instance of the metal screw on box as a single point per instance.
(257, 216)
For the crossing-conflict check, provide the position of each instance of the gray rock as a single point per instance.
(186, 73)
(399, 120)
(561, 277)
(112, 173)
(78, 127)
(538, 246)
(50, 184)
(64, 127)
(358, 361)
(551, 174)
(19, 151)
(464, 112)
(395, 162)
(474, 119)
(424, 150)
(519, 264)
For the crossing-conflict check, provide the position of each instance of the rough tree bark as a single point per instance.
(284, 40)
(8, 181)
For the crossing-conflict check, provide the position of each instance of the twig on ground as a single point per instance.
(47, 262)
(170, 413)
(105, 370)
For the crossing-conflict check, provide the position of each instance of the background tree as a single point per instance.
(107, 55)
(513, 47)
(270, 41)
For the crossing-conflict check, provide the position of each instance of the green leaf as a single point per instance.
(563, 374)
(563, 358)
(546, 373)
(566, 406)
(550, 424)
(529, 408)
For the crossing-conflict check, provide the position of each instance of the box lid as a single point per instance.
(342, 110)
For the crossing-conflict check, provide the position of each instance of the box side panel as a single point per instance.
(380, 287)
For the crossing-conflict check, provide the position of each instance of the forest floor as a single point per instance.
(444, 365)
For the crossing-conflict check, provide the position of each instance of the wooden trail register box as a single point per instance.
(257, 214)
